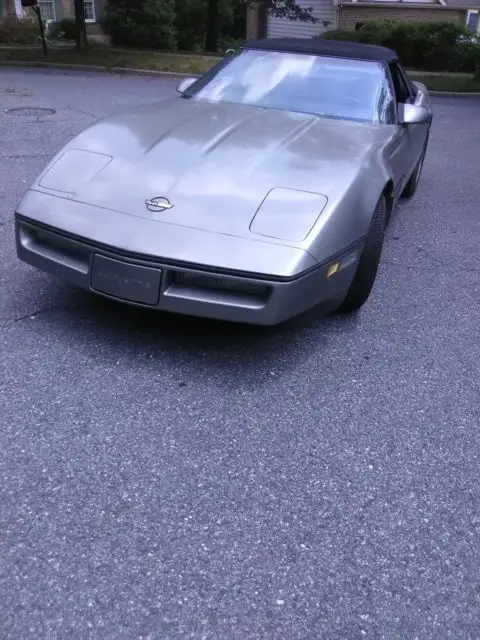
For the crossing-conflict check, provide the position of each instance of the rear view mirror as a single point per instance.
(185, 84)
(412, 114)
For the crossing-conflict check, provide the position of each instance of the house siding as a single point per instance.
(9, 9)
(99, 10)
(323, 11)
(350, 15)
(67, 9)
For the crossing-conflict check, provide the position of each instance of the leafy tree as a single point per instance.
(287, 9)
(279, 8)
(191, 23)
(147, 24)
(211, 40)
(80, 25)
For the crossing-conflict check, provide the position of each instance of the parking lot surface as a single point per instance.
(165, 477)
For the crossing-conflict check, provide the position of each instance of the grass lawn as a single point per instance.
(193, 64)
(104, 57)
(452, 82)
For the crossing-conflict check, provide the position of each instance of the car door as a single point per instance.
(406, 146)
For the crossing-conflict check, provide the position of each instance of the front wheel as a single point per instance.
(367, 268)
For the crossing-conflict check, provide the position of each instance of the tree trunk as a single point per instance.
(80, 26)
(211, 40)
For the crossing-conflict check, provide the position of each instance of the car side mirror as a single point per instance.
(412, 114)
(185, 84)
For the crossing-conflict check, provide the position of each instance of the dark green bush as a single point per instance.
(191, 24)
(348, 36)
(466, 58)
(143, 24)
(64, 29)
(227, 42)
(17, 32)
(172, 24)
(432, 46)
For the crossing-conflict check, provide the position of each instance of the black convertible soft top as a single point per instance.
(318, 46)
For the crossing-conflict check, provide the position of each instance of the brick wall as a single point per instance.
(350, 15)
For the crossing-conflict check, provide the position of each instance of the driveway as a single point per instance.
(165, 477)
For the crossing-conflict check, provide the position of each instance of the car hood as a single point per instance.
(215, 163)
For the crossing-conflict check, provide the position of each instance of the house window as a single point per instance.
(47, 10)
(472, 21)
(89, 10)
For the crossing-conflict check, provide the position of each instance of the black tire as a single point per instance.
(411, 186)
(366, 273)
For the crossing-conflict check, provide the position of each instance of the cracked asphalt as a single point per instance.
(165, 477)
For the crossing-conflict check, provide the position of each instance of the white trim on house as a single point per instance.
(90, 4)
(48, 10)
(323, 10)
(19, 9)
(470, 13)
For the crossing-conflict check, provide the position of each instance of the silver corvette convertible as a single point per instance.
(262, 190)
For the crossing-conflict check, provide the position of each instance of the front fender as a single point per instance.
(346, 219)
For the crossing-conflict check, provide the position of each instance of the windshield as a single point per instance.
(332, 87)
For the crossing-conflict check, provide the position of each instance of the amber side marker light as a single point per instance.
(332, 269)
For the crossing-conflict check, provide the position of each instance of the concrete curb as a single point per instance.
(457, 94)
(169, 74)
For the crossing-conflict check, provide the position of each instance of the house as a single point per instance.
(56, 10)
(352, 14)
(349, 15)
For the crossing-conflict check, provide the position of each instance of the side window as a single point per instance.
(402, 90)
(385, 103)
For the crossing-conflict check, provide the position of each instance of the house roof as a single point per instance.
(318, 46)
(409, 4)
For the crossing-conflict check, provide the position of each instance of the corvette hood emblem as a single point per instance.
(158, 204)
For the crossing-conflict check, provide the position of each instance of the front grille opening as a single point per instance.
(219, 283)
(55, 247)
(204, 283)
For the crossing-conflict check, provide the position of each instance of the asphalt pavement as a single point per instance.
(165, 477)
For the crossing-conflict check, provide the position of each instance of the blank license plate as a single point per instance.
(131, 282)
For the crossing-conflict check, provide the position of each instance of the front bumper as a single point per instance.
(166, 286)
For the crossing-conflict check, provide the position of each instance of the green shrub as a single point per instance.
(348, 36)
(432, 46)
(227, 42)
(18, 32)
(64, 29)
(143, 24)
(466, 58)
(191, 24)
